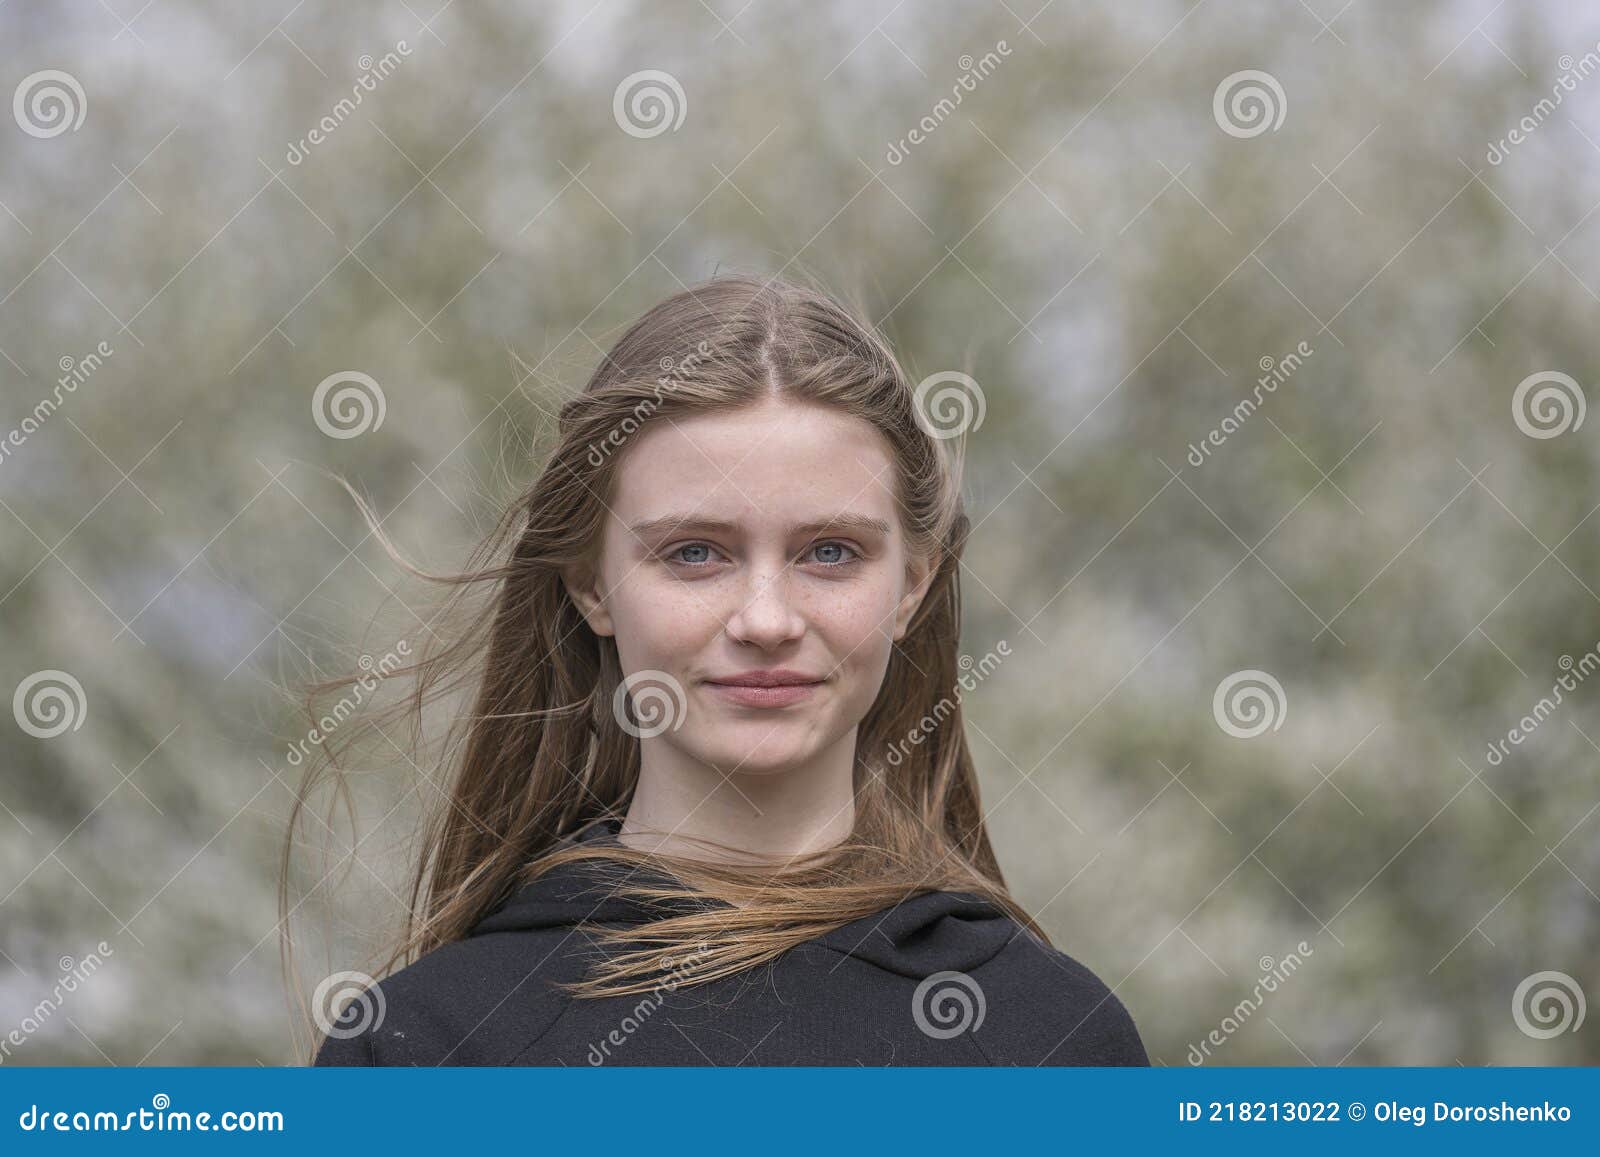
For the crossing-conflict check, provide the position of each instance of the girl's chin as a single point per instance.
(767, 758)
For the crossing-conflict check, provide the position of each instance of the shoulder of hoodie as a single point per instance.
(1060, 1011)
(467, 1001)
(1044, 1006)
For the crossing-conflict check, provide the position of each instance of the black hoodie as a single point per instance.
(944, 978)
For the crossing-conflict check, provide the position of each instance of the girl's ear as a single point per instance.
(922, 573)
(583, 588)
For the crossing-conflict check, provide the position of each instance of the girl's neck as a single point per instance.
(766, 817)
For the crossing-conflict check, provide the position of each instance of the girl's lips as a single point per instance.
(765, 696)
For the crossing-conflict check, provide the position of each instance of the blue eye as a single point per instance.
(831, 546)
(676, 555)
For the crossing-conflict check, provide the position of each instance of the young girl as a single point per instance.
(684, 825)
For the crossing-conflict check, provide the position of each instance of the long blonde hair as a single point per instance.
(541, 754)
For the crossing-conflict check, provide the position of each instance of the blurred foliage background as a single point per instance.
(1082, 234)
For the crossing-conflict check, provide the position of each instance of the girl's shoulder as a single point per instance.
(473, 1001)
(1070, 1016)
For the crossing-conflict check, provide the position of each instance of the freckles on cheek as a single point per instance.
(664, 620)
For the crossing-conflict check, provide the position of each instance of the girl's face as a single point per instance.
(761, 545)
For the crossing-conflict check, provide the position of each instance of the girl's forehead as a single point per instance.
(773, 418)
(811, 456)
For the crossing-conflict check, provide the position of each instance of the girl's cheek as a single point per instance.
(654, 604)
(674, 624)
(864, 633)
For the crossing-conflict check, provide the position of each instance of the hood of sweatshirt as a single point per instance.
(927, 933)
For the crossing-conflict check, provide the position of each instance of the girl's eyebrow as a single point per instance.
(863, 524)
